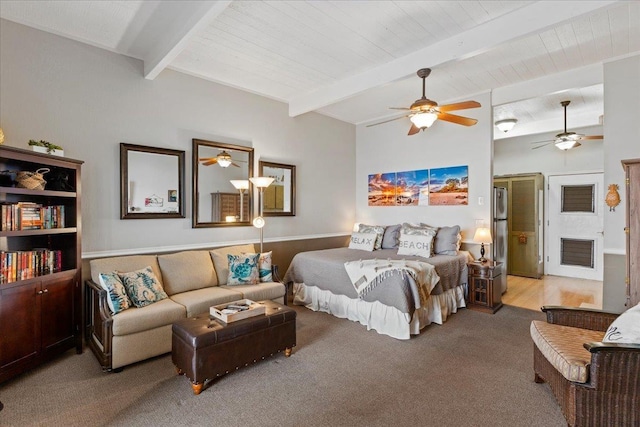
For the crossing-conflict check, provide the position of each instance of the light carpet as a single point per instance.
(475, 370)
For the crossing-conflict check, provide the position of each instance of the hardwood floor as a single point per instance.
(552, 290)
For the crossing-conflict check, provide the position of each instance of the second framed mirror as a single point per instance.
(221, 190)
(280, 196)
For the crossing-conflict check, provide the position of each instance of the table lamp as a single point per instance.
(482, 236)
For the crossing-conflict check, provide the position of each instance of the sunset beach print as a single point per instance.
(382, 189)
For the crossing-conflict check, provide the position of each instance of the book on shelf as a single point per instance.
(31, 216)
(22, 265)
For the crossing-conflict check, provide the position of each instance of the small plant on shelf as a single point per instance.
(48, 145)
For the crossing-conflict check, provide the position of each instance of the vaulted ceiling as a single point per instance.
(353, 59)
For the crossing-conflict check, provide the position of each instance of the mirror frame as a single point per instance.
(124, 180)
(292, 192)
(196, 143)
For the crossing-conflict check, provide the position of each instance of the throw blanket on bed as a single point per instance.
(367, 274)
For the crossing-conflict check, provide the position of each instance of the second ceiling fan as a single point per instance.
(566, 140)
(424, 112)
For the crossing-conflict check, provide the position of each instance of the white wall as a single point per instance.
(387, 148)
(89, 100)
(622, 130)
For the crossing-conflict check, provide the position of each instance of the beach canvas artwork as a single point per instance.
(382, 189)
(449, 186)
(412, 188)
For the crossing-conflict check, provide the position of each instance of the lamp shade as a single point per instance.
(240, 184)
(261, 181)
(483, 235)
(423, 120)
(506, 125)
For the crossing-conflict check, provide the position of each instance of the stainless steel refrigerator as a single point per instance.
(500, 232)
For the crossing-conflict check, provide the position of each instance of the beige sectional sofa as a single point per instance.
(193, 280)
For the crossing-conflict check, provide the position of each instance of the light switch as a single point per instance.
(481, 201)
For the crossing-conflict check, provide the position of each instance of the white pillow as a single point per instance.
(363, 241)
(416, 244)
(625, 329)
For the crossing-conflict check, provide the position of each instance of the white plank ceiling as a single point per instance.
(353, 59)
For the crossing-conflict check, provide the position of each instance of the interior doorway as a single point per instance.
(575, 226)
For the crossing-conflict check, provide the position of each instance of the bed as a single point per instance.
(321, 283)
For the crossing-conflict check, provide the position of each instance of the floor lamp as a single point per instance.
(241, 185)
(261, 182)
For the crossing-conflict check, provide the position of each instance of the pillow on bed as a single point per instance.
(416, 244)
(362, 241)
(420, 230)
(447, 240)
(391, 236)
(378, 229)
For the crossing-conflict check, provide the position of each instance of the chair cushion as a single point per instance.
(149, 317)
(265, 291)
(221, 262)
(198, 301)
(563, 347)
(187, 271)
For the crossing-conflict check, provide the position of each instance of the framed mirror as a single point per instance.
(221, 190)
(280, 196)
(151, 182)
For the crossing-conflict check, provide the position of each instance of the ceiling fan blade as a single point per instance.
(592, 137)
(210, 162)
(459, 106)
(465, 121)
(235, 164)
(386, 121)
(542, 145)
(400, 108)
(414, 129)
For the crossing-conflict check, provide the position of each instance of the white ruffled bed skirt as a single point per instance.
(382, 318)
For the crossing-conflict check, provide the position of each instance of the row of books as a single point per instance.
(31, 216)
(22, 265)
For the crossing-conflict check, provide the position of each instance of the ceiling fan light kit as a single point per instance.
(424, 112)
(506, 125)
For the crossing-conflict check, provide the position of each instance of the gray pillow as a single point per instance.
(391, 236)
(378, 229)
(447, 240)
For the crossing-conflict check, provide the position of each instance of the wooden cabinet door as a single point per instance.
(19, 324)
(58, 317)
(632, 169)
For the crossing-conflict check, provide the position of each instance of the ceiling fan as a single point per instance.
(223, 159)
(566, 140)
(424, 112)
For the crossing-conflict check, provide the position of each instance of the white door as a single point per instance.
(575, 226)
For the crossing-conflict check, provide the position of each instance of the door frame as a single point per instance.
(547, 236)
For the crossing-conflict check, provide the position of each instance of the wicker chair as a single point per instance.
(611, 394)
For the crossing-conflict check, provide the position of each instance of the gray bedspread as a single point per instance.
(324, 269)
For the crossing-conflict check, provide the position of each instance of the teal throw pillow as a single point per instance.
(117, 298)
(143, 288)
(243, 269)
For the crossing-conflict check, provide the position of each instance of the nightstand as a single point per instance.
(484, 292)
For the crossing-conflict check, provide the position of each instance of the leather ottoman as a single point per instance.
(204, 348)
